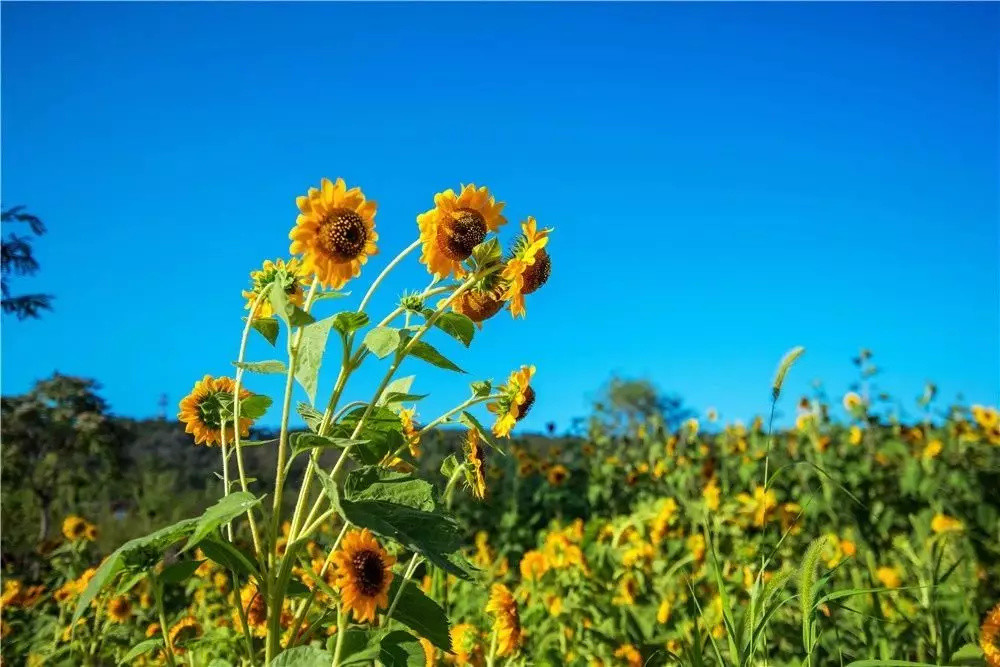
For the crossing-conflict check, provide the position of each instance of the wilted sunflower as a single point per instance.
(74, 528)
(515, 401)
(410, 431)
(475, 456)
(201, 410)
(528, 267)
(334, 233)
(119, 609)
(508, 622)
(456, 225)
(479, 303)
(558, 474)
(364, 572)
(989, 634)
(184, 631)
(291, 277)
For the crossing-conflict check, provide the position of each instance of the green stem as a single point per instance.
(389, 267)
(225, 477)
(410, 569)
(341, 631)
(164, 629)
(301, 616)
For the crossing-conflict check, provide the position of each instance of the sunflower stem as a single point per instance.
(389, 267)
(164, 630)
(225, 477)
(341, 631)
(301, 616)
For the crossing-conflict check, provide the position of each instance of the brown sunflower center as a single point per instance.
(343, 234)
(536, 274)
(529, 400)
(457, 237)
(478, 305)
(370, 572)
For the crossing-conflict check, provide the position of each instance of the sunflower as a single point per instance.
(411, 433)
(430, 653)
(479, 303)
(889, 576)
(364, 572)
(290, 276)
(942, 523)
(74, 528)
(629, 654)
(91, 532)
(534, 565)
(201, 410)
(557, 474)
(65, 592)
(515, 401)
(464, 643)
(852, 401)
(152, 630)
(119, 609)
(475, 457)
(184, 631)
(334, 233)
(255, 608)
(528, 267)
(456, 225)
(989, 633)
(508, 621)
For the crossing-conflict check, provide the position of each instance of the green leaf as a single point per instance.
(403, 508)
(400, 649)
(134, 553)
(303, 441)
(141, 648)
(256, 443)
(349, 321)
(382, 341)
(970, 654)
(271, 367)
(266, 327)
(296, 589)
(382, 433)
(254, 407)
(399, 386)
(470, 420)
(448, 466)
(227, 509)
(428, 353)
(329, 294)
(395, 398)
(458, 326)
(179, 572)
(421, 614)
(228, 555)
(303, 656)
(310, 415)
(311, 348)
(360, 646)
(292, 315)
(481, 389)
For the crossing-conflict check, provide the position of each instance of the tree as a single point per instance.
(59, 436)
(622, 404)
(17, 258)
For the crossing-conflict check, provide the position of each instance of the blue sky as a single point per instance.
(726, 181)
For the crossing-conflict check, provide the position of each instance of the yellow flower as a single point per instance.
(804, 421)
(11, 593)
(889, 576)
(711, 494)
(987, 418)
(74, 528)
(455, 226)
(760, 505)
(692, 427)
(942, 523)
(184, 631)
(988, 635)
(201, 410)
(410, 431)
(790, 519)
(664, 517)
(152, 630)
(119, 609)
(91, 533)
(430, 653)
(852, 401)
(629, 654)
(334, 232)
(554, 604)
(507, 623)
(696, 545)
(515, 401)
(528, 267)
(479, 303)
(255, 608)
(475, 458)
(557, 474)
(464, 643)
(628, 588)
(364, 572)
(663, 612)
(289, 275)
(640, 553)
(561, 552)
(534, 565)
(932, 449)
(855, 435)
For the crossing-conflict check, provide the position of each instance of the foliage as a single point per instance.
(17, 258)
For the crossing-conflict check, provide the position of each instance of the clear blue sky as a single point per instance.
(726, 181)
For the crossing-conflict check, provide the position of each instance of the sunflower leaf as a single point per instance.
(227, 509)
(266, 327)
(303, 656)
(428, 353)
(382, 341)
(228, 555)
(458, 326)
(311, 347)
(292, 315)
(421, 614)
(310, 415)
(399, 386)
(254, 407)
(349, 321)
(179, 571)
(141, 648)
(270, 367)
(400, 649)
(470, 420)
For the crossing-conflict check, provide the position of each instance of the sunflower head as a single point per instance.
(289, 275)
(203, 410)
(557, 475)
(507, 620)
(364, 572)
(411, 431)
(74, 528)
(475, 458)
(455, 226)
(334, 233)
(255, 608)
(464, 643)
(989, 637)
(528, 266)
(515, 401)
(119, 609)
(184, 631)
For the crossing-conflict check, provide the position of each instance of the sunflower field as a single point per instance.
(380, 539)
